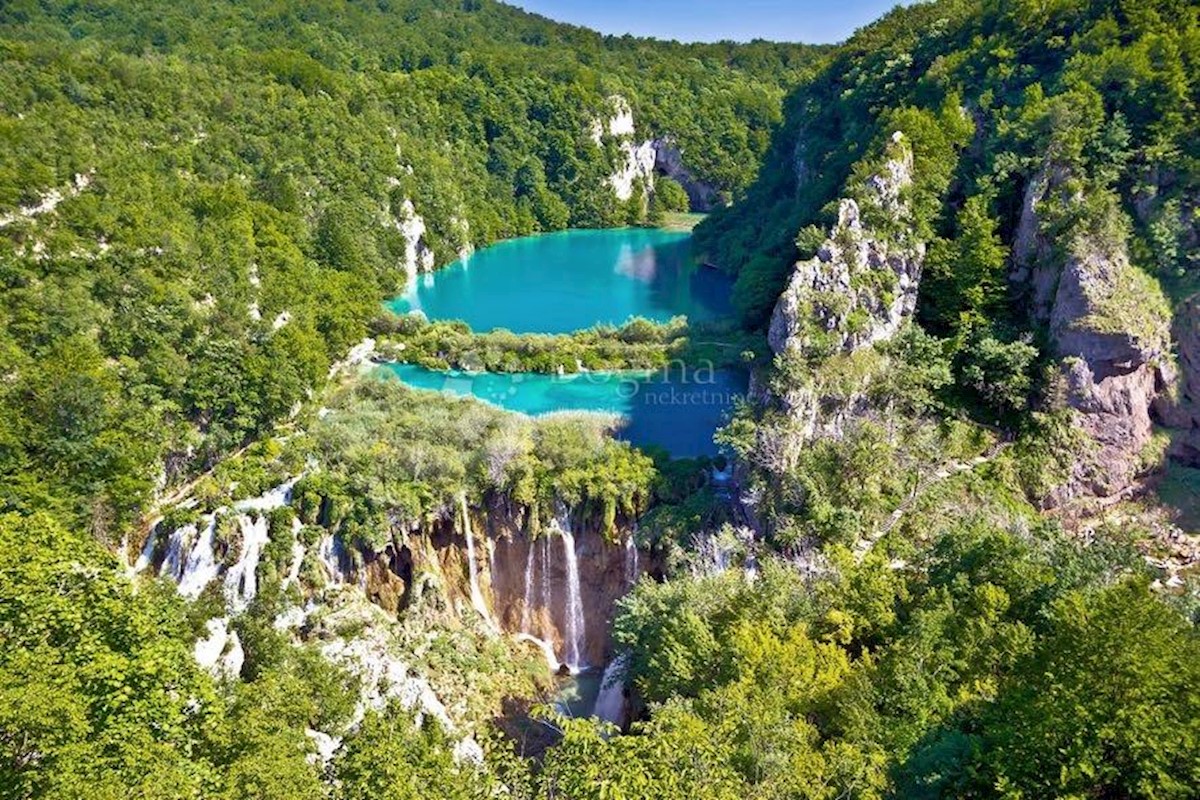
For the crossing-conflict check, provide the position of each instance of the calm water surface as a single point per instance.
(567, 281)
(573, 280)
(677, 410)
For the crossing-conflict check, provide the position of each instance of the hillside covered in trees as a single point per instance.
(955, 555)
(202, 205)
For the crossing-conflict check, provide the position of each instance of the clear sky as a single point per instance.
(811, 21)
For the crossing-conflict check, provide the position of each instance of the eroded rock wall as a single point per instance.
(1109, 329)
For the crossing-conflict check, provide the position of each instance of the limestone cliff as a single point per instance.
(640, 160)
(1108, 324)
(637, 158)
(558, 586)
(862, 283)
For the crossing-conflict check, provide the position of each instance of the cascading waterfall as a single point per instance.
(241, 581)
(575, 620)
(546, 596)
(631, 561)
(298, 550)
(174, 557)
(472, 569)
(527, 607)
(201, 566)
(327, 552)
(610, 702)
(146, 557)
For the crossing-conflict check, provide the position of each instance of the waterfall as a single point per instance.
(546, 648)
(173, 558)
(472, 570)
(147, 555)
(327, 552)
(278, 497)
(575, 620)
(241, 581)
(293, 576)
(631, 561)
(610, 702)
(201, 566)
(527, 607)
(546, 595)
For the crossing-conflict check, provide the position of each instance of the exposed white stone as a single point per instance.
(221, 651)
(639, 164)
(49, 201)
(417, 255)
(358, 355)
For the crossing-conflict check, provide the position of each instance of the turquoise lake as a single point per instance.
(567, 281)
(573, 280)
(674, 410)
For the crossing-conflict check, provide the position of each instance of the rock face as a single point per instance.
(638, 166)
(1109, 328)
(862, 284)
(668, 160)
(558, 586)
(417, 255)
(642, 160)
(1180, 408)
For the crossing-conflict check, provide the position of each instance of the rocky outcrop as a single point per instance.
(668, 160)
(523, 578)
(1108, 325)
(862, 284)
(418, 257)
(637, 168)
(637, 158)
(1179, 407)
(641, 160)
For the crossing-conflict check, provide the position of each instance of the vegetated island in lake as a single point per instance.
(548, 305)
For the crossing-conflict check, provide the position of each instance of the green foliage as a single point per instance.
(1106, 705)
(390, 453)
(100, 691)
(669, 195)
(389, 758)
(232, 182)
(999, 373)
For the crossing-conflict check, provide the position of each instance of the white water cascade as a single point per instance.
(631, 561)
(610, 702)
(575, 621)
(327, 553)
(173, 558)
(527, 606)
(201, 566)
(472, 568)
(241, 580)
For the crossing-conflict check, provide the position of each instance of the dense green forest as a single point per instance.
(202, 207)
(226, 168)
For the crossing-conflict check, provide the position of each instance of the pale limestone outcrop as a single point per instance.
(637, 167)
(418, 257)
(862, 284)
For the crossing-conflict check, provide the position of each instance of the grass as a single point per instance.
(680, 220)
